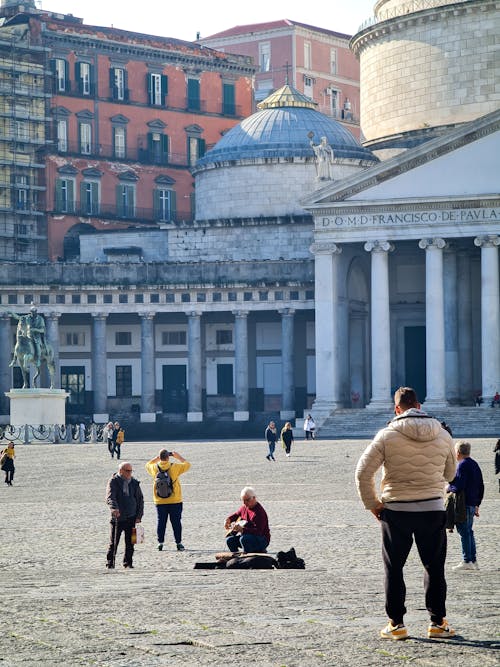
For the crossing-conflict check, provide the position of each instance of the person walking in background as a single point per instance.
(418, 457)
(468, 479)
(8, 455)
(118, 439)
(271, 437)
(249, 525)
(107, 437)
(126, 502)
(286, 438)
(309, 427)
(170, 506)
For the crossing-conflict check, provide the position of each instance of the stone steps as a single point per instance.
(362, 423)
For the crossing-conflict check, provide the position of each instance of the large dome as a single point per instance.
(282, 128)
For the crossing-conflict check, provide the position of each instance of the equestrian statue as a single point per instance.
(32, 348)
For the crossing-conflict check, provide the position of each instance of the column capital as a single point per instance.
(146, 315)
(286, 311)
(5, 317)
(432, 244)
(99, 316)
(325, 249)
(488, 241)
(378, 246)
(53, 316)
(241, 313)
(194, 313)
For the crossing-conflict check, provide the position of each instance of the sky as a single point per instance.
(183, 20)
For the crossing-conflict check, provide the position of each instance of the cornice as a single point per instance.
(134, 51)
(422, 17)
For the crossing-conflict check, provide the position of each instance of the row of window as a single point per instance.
(170, 297)
(164, 200)
(154, 147)
(156, 86)
(174, 338)
(73, 381)
(265, 57)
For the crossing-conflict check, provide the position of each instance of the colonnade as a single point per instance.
(439, 351)
(195, 363)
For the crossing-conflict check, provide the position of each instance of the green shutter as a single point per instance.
(78, 77)
(164, 149)
(201, 147)
(173, 205)
(228, 99)
(54, 77)
(95, 197)
(83, 203)
(58, 194)
(125, 85)
(112, 87)
(149, 88)
(70, 186)
(92, 81)
(164, 88)
(67, 86)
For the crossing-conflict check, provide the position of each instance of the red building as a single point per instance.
(129, 115)
(316, 61)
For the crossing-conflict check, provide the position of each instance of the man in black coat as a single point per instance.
(126, 502)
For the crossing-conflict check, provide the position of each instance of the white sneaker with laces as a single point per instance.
(475, 565)
(464, 566)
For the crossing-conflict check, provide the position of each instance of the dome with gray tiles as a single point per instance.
(282, 128)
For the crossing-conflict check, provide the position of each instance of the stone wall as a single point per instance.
(430, 68)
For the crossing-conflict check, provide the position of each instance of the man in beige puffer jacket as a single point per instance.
(418, 458)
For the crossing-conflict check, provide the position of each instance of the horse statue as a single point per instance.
(25, 354)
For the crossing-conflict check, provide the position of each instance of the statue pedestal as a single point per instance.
(37, 406)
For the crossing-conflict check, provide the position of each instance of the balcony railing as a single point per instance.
(194, 105)
(138, 153)
(128, 213)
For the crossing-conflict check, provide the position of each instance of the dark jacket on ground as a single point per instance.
(128, 506)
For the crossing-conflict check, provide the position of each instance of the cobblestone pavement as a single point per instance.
(60, 606)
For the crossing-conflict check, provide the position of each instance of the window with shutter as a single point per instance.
(228, 97)
(193, 94)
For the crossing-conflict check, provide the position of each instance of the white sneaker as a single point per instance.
(288, 454)
(464, 566)
(475, 565)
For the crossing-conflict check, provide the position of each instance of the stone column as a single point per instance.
(6, 350)
(287, 375)
(52, 330)
(490, 316)
(464, 326)
(326, 263)
(99, 368)
(241, 365)
(434, 323)
(452, 380)
(195, 413)
(148, 413)
(380, 325)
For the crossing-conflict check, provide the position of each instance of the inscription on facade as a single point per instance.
(459, 216)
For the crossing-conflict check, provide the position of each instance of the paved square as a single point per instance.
(60, 606)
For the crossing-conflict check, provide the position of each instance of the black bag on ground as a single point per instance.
(288, 560)
(163, 483)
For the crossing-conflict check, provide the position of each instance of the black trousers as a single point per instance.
(398, 531)
(117, 528)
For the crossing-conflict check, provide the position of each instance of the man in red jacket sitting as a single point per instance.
(249, 526)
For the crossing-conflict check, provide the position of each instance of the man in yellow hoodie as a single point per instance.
(170, 506)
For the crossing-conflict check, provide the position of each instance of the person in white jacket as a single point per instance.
(418, 458)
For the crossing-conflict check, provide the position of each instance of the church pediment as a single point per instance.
(465, 161)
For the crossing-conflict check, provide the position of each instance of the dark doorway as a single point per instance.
(415, 360)
(174, 388)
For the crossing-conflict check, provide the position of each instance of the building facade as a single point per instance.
(314, 60)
